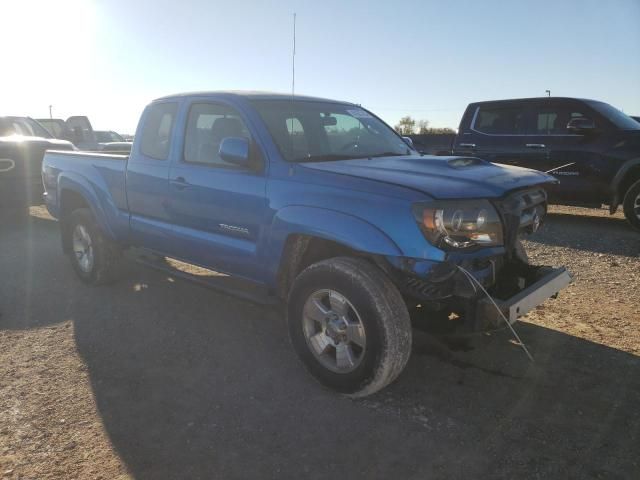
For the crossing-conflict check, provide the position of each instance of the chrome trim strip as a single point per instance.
(473, 124)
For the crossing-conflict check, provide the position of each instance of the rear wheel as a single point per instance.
(93, 256)
(349, 325)
(631, 205)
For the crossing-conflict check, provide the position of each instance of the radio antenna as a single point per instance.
(293, 59)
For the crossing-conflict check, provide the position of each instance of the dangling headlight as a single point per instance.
(459, 224)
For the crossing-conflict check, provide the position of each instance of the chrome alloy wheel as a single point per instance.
(334, 331)
(83, 248)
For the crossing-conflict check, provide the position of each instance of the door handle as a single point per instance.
(535, 145)
(467, 145)
(180, 183)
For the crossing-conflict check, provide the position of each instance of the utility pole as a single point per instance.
(50, 115)
(293, 59)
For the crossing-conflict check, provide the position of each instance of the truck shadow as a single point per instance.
(193, 384)
(607, 235)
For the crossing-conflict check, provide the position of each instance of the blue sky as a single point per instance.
(428, 59)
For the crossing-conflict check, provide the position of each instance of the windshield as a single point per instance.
(308, 131)
(618, 118)
(24, 126)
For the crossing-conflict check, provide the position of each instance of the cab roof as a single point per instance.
(251, 94)
(535, 99)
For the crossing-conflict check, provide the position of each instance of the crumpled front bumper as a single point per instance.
(514, 287)
(548, 285)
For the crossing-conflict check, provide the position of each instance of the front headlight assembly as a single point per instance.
(459, 224)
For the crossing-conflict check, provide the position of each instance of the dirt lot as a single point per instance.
(155, 377)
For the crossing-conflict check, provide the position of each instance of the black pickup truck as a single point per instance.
(23, 142)
(592, 148)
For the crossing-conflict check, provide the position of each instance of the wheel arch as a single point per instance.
(301, 236)
(628, 174)
(75, 192)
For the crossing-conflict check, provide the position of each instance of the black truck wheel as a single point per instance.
(631, 205)
(349, 325)
(93, 256)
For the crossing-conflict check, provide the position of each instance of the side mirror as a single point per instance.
(408, 141)
(235, 150)
(581, 125)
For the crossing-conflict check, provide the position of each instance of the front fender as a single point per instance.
(350, 231)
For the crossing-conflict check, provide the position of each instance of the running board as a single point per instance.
(223, 283)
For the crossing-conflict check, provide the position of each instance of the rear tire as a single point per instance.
(349, 325)
(631, 205)
(93, 256)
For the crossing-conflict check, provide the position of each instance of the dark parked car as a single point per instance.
(108, 136)
(590, 146)
(110, 141)
(23, 142)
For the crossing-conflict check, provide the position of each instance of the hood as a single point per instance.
(439, 177)
(48, 142)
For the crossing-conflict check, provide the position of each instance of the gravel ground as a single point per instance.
(155, 377)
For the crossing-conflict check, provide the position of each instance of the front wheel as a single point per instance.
(631, 205)
(349, 325)
(93, 256)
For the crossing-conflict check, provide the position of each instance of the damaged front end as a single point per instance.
(500, 270)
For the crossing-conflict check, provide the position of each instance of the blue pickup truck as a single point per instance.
(322, 206)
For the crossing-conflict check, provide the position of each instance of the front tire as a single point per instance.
(93, 256)
(349, 325)
(631, 205)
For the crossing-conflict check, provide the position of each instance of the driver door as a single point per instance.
(217, 208)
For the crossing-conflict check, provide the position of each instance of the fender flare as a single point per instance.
(616, 198)
(348, 230)
(80, 185)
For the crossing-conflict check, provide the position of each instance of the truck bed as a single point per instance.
(100, 175)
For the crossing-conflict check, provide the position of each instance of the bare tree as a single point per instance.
(423, 127)
(406, 126)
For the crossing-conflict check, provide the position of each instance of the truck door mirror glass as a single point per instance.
(235, 150)
(581, 125)
(408, 141)
(329, 121)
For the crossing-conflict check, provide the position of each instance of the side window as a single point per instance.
(155, 139)
(553, 120)
(500, 120)
(207, 126)
(546, 122)
(342, 131)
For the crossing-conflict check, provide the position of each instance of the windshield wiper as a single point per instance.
(336, 157)
(324, 158)
(387, 154)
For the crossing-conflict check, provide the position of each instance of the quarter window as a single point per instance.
(155, 139)
(500, 120)
(207, 126)
(297, 137)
